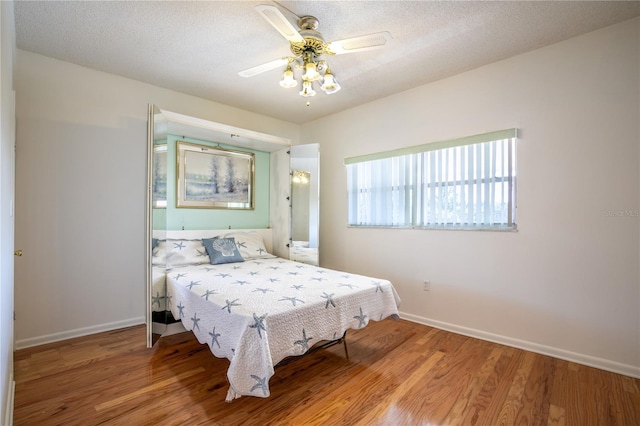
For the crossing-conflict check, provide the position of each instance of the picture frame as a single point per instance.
(214, 177)
(159, 178)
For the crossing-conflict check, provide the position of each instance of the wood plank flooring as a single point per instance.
(398, 373)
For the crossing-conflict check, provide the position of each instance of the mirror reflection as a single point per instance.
(158, 176)
(166, 219)
(304, 204)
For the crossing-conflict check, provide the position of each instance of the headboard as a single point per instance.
(194, 234)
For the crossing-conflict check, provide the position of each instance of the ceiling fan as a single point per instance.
(307, 47)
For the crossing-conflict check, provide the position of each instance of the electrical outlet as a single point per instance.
(427, 286)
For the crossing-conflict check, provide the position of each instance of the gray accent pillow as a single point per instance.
(222, 250)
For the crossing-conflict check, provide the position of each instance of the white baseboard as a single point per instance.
(78, 332)
(168, 329)
(601, 363)
(8, 413)
(174, 328)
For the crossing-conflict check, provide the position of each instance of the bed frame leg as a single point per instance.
(344, 342)
(346, 352)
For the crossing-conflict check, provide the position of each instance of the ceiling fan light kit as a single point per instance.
(308, 45)
(330, 85)
(307, 89)
(288, 80)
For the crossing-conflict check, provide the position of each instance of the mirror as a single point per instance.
(165, 129)
(156, 226)
(304, 203)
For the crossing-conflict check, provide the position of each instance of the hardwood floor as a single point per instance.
(398, 373)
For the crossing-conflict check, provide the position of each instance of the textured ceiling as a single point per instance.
(198, 48)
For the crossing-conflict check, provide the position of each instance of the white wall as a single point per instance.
(7, 135)
(567, 283)
(80, 183)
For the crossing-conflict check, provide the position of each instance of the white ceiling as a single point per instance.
(198, 47)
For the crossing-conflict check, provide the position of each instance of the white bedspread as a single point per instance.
(258, 312)
(158, 288)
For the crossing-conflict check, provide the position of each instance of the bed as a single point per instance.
(259, 309)
(159, 310)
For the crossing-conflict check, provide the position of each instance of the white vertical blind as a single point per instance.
(457, 186)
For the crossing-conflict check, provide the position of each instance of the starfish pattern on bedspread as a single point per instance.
(263, 290)
(293, 300)
(155, 300)
(192, 283)
(179, 245)
(378, 285)
(361, 319)
(304, 342)
(262, 384)
(180, 310)
(177, 277)
(214, 337)
(351, 286)
(230, 304)
(259, 324)
(195, 320)
(329, 298)
(209, 293)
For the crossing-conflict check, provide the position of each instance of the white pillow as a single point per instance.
(250, 245)
(186, 252)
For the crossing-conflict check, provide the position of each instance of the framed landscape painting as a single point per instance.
(214, 178)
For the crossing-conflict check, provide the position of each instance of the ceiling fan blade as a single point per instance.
(273, 15)
(360, 43)
(264, 67)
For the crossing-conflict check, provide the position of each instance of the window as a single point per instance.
(465, 183)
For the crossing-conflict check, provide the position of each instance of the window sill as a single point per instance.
(504, 228)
